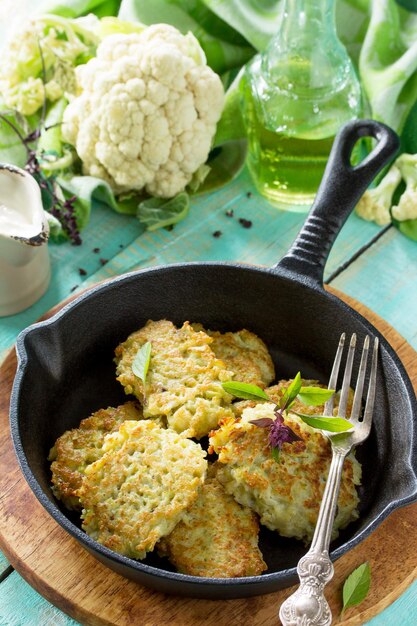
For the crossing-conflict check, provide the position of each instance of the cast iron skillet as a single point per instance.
(66, 370)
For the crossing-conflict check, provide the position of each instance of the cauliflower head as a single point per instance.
(375, 204)
(146, 112)
(38, 60)
(407, 205)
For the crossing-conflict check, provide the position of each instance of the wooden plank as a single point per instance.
(385, 280)
(268, 239)
(402, 612)
(20, 604)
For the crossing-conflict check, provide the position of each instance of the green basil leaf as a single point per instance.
(356, 586)
(291, 392)
(141, 361)
(160, 212)
(332, 424)
(275, 453)
(314, 396)
(245, 391)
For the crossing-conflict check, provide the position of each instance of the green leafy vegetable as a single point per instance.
(332, 424)
(224, 163)
(213, 34)
(388, 63)
(291, 392)
(356, 586)
(314, 396)
(160, 212)
(257, 21)
(140, 365)
(245, 391)
(77, 8)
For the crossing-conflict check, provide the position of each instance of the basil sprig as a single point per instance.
(245, 391)
(310, 396)
(140, 365)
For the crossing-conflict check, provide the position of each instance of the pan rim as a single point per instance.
(155, 572)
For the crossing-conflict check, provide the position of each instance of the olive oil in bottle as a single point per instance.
(295, 97)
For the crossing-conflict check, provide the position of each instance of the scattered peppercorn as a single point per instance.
(121, 245)
(249, 194)
(230, 213)
(104, 261)
(82, 271)
(217, 234)
(245, 223)
(96, 250)
(74, 288)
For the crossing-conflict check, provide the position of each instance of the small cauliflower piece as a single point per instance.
(217, 537)
(244, 353)
(147, 111)
(285, 494)
(407, 205)
(140, 489)
(46, 41)
(375, 204)
(77, 448)
(184, 377)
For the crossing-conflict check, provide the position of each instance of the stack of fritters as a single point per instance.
(143, 483)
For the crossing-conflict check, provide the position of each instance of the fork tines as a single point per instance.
(344, 394)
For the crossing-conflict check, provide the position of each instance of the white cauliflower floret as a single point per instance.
(38, 60)
(147, 111)
(375, 204)
(407, 205)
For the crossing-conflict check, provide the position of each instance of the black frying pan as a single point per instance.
(66, 371)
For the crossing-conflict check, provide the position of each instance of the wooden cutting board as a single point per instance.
(69, 577)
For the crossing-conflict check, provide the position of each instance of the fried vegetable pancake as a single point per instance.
(285, 494)
(184, 377)
(141, 487)
(244, 353)
(217, 537)
(79, 447)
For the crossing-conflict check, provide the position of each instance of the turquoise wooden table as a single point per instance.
(375, 266)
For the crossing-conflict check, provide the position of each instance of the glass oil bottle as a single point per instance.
(295, 97)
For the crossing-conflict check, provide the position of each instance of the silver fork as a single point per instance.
(307, 606)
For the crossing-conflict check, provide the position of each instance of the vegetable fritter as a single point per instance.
(79, 447)
(140, 488)
(217, 537)
(245, 354)
(285, 494)
(184, 377)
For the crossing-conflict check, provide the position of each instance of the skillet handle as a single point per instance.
(340, 189)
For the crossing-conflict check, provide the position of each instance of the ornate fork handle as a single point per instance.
(307, 606)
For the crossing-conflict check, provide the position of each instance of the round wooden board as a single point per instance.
(69, 577)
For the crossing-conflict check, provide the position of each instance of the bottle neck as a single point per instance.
(307, 19)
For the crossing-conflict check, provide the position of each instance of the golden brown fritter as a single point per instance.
(217, 537)
(285, 494)
(79, 447)
(244, 353)
(184, 377)
(140, 488)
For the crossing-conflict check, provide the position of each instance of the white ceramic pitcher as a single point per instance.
(24, 232)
